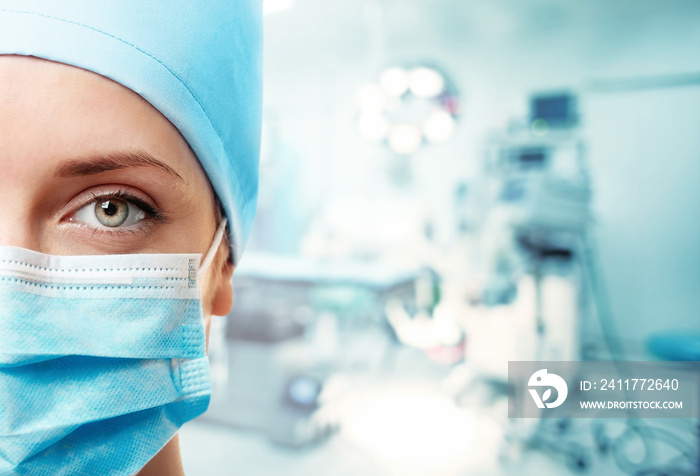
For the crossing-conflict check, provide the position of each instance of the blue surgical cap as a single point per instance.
(198, 62)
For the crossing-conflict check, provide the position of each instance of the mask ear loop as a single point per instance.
(209, 257)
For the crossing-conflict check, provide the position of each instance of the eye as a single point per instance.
(110, 213)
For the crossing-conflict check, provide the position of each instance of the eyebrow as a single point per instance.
(113, 161)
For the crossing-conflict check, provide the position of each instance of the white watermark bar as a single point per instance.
(603, 389)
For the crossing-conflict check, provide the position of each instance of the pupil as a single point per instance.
(109, 208)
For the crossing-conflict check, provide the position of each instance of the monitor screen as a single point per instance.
(556, 109)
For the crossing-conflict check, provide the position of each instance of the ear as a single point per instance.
(222, 300)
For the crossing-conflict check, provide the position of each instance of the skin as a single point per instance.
(68, 138)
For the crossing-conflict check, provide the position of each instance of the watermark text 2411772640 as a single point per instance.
(604, 389)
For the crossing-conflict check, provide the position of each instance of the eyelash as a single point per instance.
(152, 213)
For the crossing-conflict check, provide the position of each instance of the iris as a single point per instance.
(111, 212)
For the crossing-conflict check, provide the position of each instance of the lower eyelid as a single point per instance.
(144, 226)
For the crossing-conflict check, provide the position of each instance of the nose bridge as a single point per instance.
(30, 130)
(17, 230)
(18, 219)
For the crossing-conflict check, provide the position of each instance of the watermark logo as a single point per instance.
(543, 379)
(602, 389)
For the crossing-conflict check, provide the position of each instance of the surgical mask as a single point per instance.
(102, 358)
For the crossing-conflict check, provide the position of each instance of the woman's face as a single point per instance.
(87, 166)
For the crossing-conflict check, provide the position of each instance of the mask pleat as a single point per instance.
(36, 327)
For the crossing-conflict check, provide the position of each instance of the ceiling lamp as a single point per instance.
(407, 107)
(439, 126)
(394, 81)
(426, 82)
(405, 138)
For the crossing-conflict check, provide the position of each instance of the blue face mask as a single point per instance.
(102, 359)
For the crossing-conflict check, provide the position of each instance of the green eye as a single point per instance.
(111, 212)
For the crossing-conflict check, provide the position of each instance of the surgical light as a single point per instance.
(426, 82)
(408, 106)
(405, 138)
(394, 81)
(439, 126)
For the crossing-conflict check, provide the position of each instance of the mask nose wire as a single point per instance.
(209, 257)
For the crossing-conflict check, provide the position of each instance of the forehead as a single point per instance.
(51, 111)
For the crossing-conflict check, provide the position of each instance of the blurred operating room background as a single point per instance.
(447, 185)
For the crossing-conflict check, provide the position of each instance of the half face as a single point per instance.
(87, 166)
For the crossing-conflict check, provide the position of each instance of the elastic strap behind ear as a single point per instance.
(209, 257)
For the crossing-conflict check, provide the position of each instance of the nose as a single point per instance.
(20, 221)
(16, 230)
